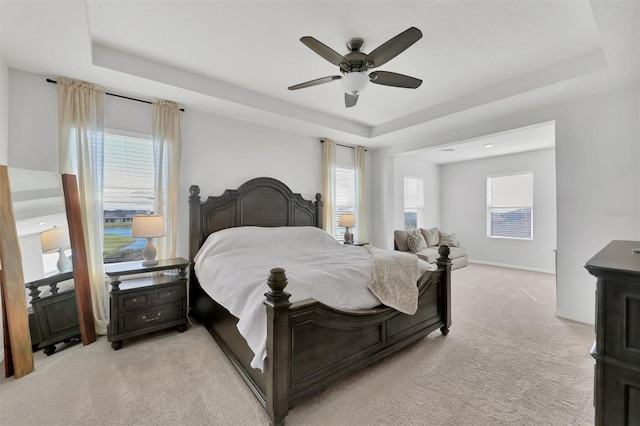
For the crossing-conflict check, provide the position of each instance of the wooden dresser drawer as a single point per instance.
(136, 320)
(168, 294)
(138, 299)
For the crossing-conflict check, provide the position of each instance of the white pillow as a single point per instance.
(260, 237)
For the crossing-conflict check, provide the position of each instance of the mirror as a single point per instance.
(48, 225)
(38, 208)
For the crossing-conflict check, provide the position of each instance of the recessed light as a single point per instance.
(489, 145)
(447, 150)
(42, 223)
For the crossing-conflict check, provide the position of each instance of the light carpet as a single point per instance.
(507, 361)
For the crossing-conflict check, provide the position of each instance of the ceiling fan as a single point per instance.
(355, 64)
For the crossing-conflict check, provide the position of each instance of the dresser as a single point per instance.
(148, 303)
(53, 314)
(617, 345)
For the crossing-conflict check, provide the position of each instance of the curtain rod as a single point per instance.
(117, 96)
(344, 146)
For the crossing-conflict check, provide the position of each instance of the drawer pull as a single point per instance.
(144, 317)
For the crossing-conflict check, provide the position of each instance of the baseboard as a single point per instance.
(504, 265)
(573, 317)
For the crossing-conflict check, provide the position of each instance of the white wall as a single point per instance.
(33, 114)
(597, 172)
(4, 114)
(218, 153)
(429, 172)
(464, 209)
(31, 253)
(387, 194)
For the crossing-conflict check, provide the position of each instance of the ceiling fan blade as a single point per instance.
(392, 48)
(315, 82)
(387, 78)
(323, 50)
(350, 100)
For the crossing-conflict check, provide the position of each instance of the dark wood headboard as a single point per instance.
(261, 201)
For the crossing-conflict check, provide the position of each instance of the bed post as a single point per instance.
(194, 235)
(194, 220)
(445, 263)
(319, 204)
(278, 345)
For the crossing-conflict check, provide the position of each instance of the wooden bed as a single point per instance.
(309, 345)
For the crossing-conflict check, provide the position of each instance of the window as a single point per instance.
(128, 190)
(345, 196)
(510, 206)
(413, 202)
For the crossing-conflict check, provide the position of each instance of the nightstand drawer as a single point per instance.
(168, 294)
(136, 320)
(138, 299)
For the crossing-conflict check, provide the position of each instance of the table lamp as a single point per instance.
(57, 239)
(148, 226)
(347, 221)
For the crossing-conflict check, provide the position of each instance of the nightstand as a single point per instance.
(146, 304)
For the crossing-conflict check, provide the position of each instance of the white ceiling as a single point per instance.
(530, 138)
(237, 58)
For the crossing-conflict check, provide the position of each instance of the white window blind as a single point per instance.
(510, 206)
(128, 189)
(345, 196)
(413, 201)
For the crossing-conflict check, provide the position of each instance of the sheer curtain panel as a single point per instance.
(167, 149)
(329, 186)
(81, 150)
(361, 189)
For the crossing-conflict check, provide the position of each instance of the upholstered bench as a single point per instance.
(428, 248)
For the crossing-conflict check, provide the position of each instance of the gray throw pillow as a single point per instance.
(415, 241)
(432, 236)
(449, 240)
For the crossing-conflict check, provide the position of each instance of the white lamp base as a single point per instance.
(348, 236)
(149, 254)
(63, 264)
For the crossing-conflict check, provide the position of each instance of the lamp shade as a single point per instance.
(347, 220)
(54, 239)
(147, 226)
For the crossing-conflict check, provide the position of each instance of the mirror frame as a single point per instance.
(79, 259)
(17, 339)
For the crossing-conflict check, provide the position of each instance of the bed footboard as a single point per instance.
(310, 345)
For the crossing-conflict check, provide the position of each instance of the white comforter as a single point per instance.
(233, 265)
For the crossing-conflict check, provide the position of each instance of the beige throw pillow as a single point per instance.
(415, 241)
(432, 236)
(449, 240)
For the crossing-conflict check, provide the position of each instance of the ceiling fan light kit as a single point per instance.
(355, 64)
(355, 82)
